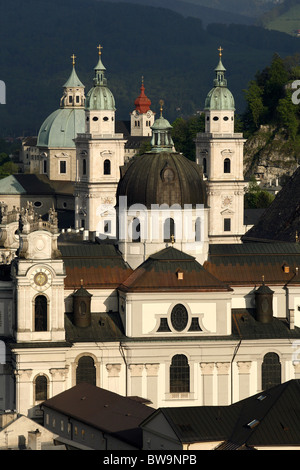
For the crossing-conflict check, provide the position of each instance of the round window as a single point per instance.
(179, 317)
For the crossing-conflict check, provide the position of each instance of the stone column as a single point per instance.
(244, 379)
(207, 369)
(223, 383)
(152, 385)
(136, 373)
(113, 371)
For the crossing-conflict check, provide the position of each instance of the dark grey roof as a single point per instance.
(245, 326)
(281, 220)
(112, 413)
(269, 418)
(104, 327)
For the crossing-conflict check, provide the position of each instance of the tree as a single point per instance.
(254, 98)
(184, 133)
(286, 111)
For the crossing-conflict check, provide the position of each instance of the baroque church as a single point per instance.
(157, 292)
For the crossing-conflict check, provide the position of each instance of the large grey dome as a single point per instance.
(162, 178)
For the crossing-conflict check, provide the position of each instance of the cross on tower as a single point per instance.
(99, 49)
(73, 57)
(220, 51)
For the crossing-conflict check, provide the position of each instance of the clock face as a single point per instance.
(40, 279)
(148, 114)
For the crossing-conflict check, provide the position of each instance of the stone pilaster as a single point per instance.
(152, 382)
(244, 379)
(207, 369)
(223, 369)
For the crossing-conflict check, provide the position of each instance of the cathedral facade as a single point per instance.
(154, 297)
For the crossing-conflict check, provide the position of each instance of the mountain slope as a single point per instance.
(176, 56)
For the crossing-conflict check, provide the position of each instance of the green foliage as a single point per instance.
(269, 97)
(184, 132)
(256, 198)
(8, 168)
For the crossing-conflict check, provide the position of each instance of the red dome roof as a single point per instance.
(142, 103)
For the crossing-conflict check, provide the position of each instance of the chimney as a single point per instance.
(34, 440)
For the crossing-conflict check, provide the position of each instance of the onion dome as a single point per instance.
(142, 103)
(220, 97)
(100, 97)
(162, 176)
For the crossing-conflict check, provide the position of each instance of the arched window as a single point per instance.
(198, 229)
(179, 374)
(86, 371)
(136, 230)
(169, 230)
(40, 313)
(227, 165)
(106, 167)
(41, 388)
(271, 371)
(84, 166)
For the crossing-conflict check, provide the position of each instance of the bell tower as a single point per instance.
(142, 118)
(99, 156)
(219, 150)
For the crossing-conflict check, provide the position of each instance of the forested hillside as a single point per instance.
(271, 121)
(175, 54)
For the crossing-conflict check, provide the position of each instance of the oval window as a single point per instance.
(225, 118)
(105, 118)
(95, 118)
(37, 204)
(179, 317)
(216, 118)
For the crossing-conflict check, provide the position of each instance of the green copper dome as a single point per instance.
(220, 97)
(61, 128)
(100, 97)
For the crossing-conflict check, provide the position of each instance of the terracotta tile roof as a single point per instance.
(246, 264)
(98, 265)
(160, 272)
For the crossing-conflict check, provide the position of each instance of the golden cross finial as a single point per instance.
(81, 282)
(263, 278)
(172, 239)
(99, 49)
(220, 51)
(73, 57)
(161, 102)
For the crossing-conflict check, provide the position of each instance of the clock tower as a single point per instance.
(38, 278)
